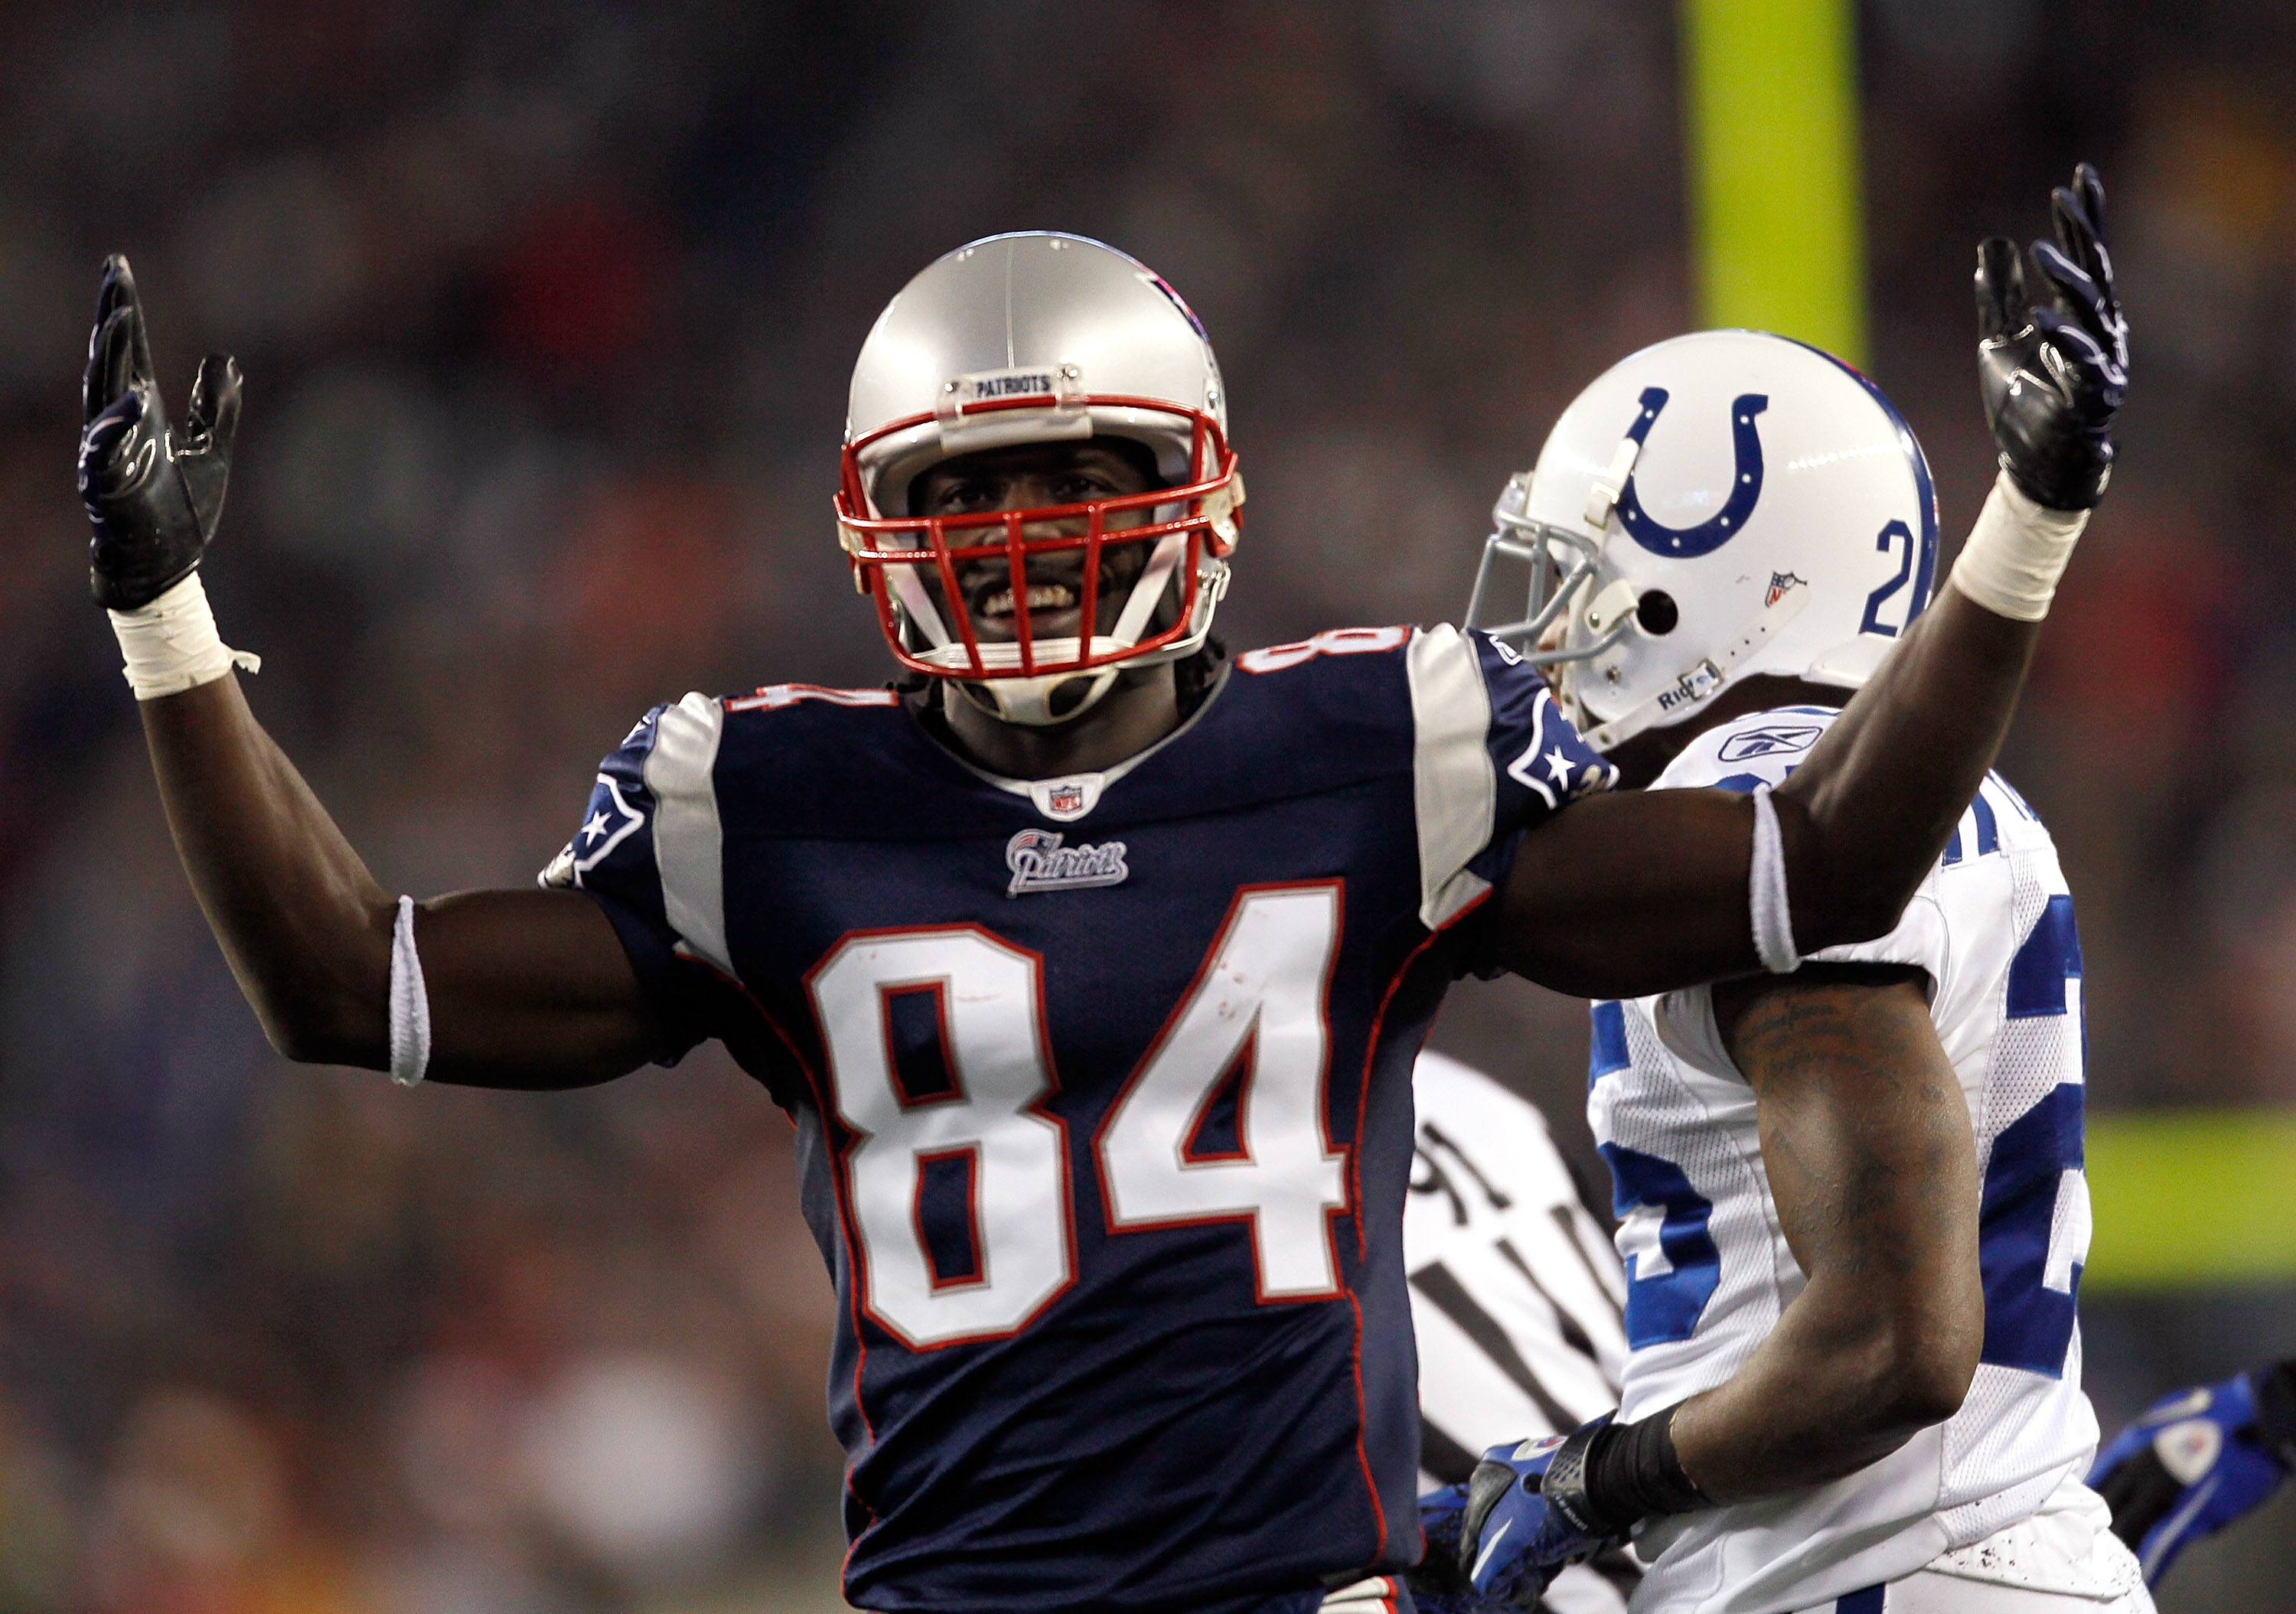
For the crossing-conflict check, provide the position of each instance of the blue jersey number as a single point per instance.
(2033, 1229)
(1672, 1265)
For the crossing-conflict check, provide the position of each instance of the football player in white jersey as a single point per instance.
(1851, 1199)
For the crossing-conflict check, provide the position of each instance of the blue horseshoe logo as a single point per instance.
(1686, 543)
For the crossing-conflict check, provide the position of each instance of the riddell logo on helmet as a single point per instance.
(1693, 687)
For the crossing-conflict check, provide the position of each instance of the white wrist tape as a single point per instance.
(1774, 941)
(410, 1005)
(172, 645)
(2016, 552)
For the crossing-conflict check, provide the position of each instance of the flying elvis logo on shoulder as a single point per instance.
(1771, 741)
(1041, 861)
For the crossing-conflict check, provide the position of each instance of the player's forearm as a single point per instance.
(1838, 1386)
(1867, 815)
(1866, 1141)
(305, 926)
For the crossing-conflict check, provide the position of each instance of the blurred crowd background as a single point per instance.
(546, 310)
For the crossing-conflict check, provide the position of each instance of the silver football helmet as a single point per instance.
(1715, 507)
(1038, 336)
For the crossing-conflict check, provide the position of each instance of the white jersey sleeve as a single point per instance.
(1709, 1272)
(1765, 749)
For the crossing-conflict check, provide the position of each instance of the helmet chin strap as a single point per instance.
(1029, 700)
(1698, 683)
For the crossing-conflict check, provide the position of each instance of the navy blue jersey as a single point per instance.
(1102, 1089)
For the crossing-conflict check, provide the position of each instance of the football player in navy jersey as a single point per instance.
(1092, 970)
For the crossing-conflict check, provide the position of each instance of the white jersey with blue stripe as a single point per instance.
(1709, 1272)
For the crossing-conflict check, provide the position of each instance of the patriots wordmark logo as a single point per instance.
(1782, 584)
(1040, 862)
(1013, 385)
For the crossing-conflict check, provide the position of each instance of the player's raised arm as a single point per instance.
(1628, 895)
(525, 988)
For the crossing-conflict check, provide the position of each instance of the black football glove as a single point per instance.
(152, 495)
(2053, 374)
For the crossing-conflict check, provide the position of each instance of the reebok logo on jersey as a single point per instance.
(1040, 862)
(1771, 741)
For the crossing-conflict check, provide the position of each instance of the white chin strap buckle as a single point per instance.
(1028, 702)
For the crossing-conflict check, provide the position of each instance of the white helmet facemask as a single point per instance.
(1715, 507)
(1040, 337)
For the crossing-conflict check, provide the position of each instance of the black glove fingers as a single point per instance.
(2081, 368)
(2069, 223)
(92, 398)
(99, 445)
(153, 502)
(139, 344)
(2077, 294)
(2053, 356)
(102, 469)
(2000, 288)
(118, 287)
(2089, 185)
(111, 365)
(213, 412)
(2072, 287)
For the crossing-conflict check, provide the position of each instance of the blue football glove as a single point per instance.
(2196, 1461)
(1495, 1547)
(1437, 1585)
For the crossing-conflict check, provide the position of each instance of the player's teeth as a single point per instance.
(1042, 596)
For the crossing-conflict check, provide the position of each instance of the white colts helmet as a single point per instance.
(1036, 337)
(1718, 505)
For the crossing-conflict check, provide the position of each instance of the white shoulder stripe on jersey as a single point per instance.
(1455, 789)
(688, 844)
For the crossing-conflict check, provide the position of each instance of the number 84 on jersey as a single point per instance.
(983, 1150)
